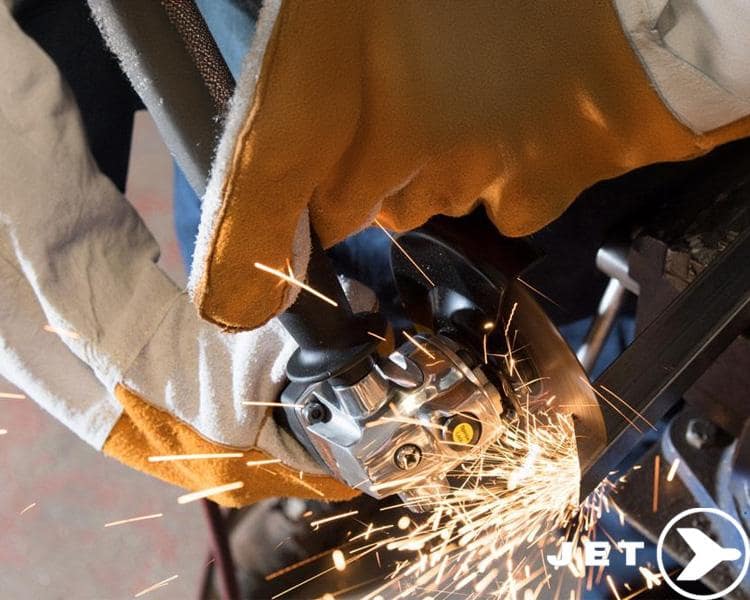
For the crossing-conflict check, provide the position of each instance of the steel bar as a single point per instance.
(601, 326)
(671, 353)
(612, 260)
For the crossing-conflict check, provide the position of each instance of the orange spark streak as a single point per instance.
(29, 507)
(265, 461)
(12, 396)
(162, 583)
(640, 415)
(673, 469)
(269, 404)
(297, 565)
(308, 580)
(133, 520)
(319, 522)
(219, 489)
(533, 289)
(170, 457)
(610, 403)
(510, 320)
(377, 337)
(405, 253)
(420, 346)
(655, 497)
(61, 332)
(295, 281)
(396, 482)
(612, 587)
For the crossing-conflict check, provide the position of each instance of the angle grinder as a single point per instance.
(399, 424)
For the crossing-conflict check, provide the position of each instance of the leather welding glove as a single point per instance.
(93, 331)
(353, 110)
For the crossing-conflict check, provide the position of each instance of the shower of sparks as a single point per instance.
(673, 469)
(133, 520)
(28, 508)
(420, 346)
(173, 457)
(12, 396)
(219, 489)
(156, 586)
(61, 332)
(294, 281)
(394, 241)
(490, 522)
(513, 494)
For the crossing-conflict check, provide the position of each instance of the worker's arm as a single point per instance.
(351, 110)
(95, 332)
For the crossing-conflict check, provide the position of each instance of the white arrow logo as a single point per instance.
(708, 554)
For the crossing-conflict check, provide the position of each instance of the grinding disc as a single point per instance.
(468, 278)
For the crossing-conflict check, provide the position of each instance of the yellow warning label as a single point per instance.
(463, 433)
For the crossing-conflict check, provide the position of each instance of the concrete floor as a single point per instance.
(59, 548)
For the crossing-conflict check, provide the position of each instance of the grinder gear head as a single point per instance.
(402, 424)
(405, 425)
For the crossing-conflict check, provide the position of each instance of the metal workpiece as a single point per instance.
(606, 313)
(671, 353)
(611, 260)
(402, 428)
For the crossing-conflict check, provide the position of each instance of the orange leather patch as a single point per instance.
(144, 431)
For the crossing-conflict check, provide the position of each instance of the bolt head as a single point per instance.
(407, 457)
(700, 433)
(315, 411)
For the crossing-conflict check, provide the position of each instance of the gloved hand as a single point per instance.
(353, 110)
(129, 366)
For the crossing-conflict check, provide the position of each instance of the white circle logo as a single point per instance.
(707, 554)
